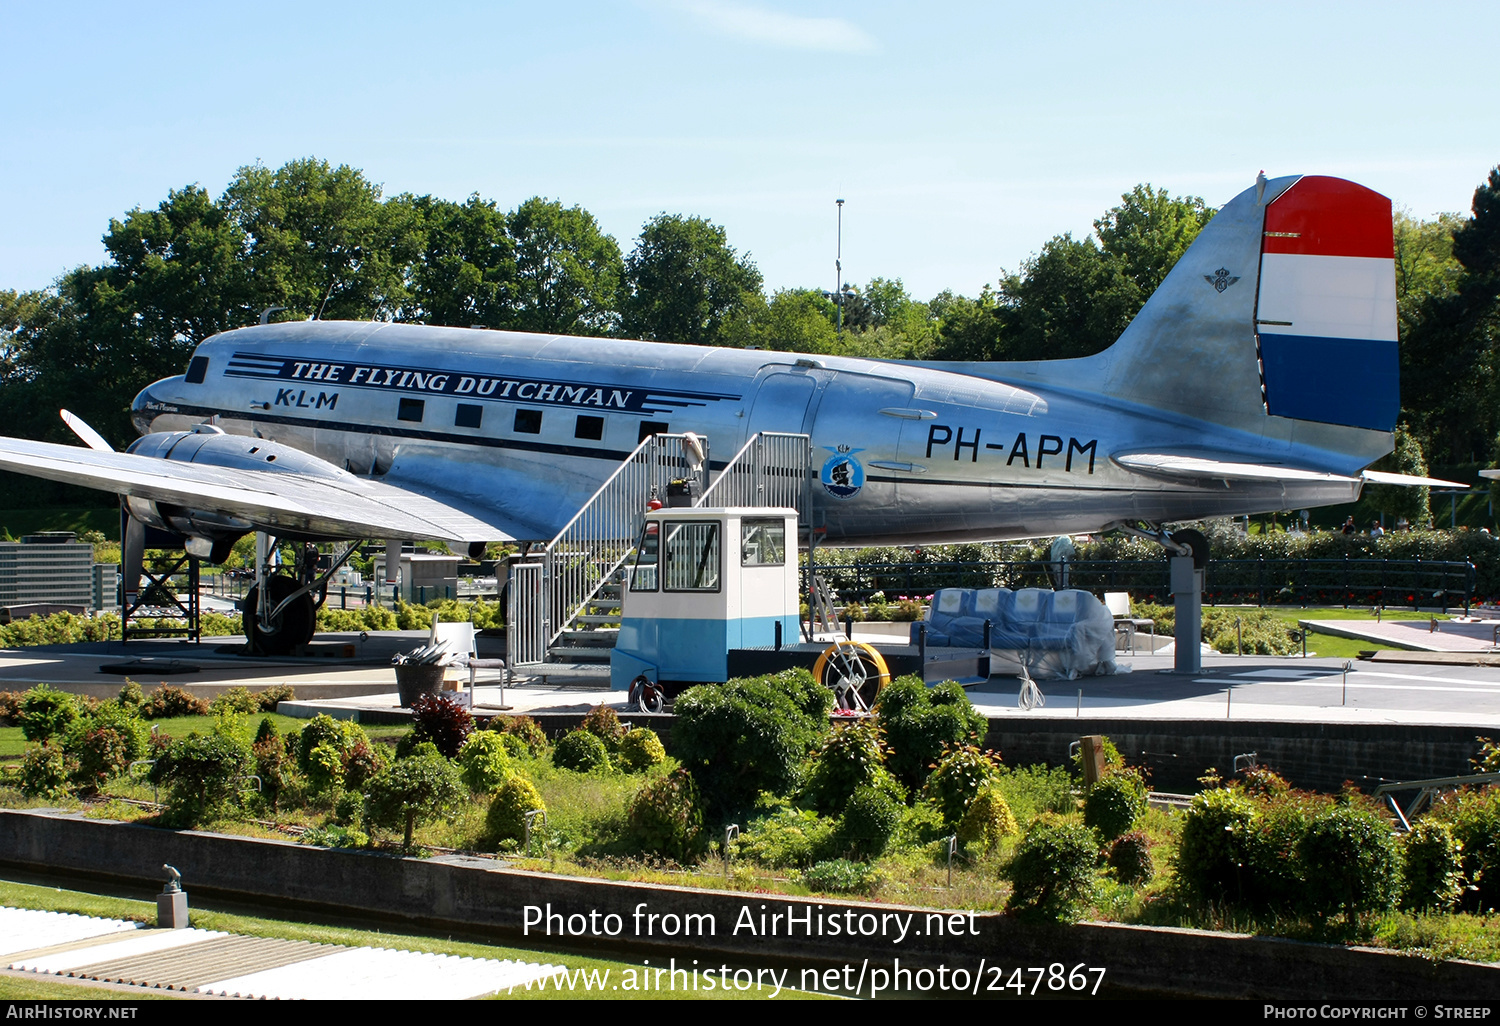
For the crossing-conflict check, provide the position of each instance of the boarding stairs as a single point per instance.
(564, 599)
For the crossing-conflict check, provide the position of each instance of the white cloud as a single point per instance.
(775, 28)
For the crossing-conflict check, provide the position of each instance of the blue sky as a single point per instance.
(961, 135)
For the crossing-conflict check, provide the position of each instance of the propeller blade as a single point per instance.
(80, 427)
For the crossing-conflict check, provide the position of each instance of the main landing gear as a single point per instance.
(280, 614)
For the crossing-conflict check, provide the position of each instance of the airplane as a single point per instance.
(1261, 375)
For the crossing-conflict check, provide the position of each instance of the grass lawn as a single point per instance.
(210, 915)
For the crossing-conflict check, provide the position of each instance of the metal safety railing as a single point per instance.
(772, 469)
(594, 544)
(526, 616)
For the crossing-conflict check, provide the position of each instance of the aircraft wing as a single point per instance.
(335, 506)
(1197, 468)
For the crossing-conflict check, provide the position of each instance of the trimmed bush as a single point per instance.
(267, 699)
(1434, 875)
(422, 787)
(442, 721)
(202, 774)
(641, 749)
(524, 728)
(167, 702)
(1211, 848)
(506, 819)
(484, 762)
(47, 713)
(1350, 862)
(987, 819)
(581, 751)
(235, 700)
(131, 696)
(1130, 858)
(960, 774)
(46, 771)
(747, 736)
(870, 819)
(604, 723)
(920, 722)
(850, 757)
(1054, 872)
(1114, 803)
(666, 817)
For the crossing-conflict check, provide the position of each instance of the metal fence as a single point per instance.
(1260, 582)
(527, 638)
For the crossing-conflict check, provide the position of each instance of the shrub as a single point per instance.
(850, 757)
(266, 731)
(604, 723)
(422, 787)
(102, 751)
(442, 721)
(1350, 862)
(1475, 816)
(841, 876)
(202, 773)
(47, 712)
(272, 765)
(666, 816)
(987, 819)
(747, 736)
(919, 722)
(870, 820)
(1211, 848)
(1433, 877)
(508, 808)
(641, 749)
(235, 700)
(361, 763)
(959, 775)
(166, 702)
(270, 697)
(131, 696)
(579, 750)
(1114, 803)
(788, 838)
(322, 729)
(1263, 783)
(1054, 872)
(484, 763)
(514, 746)
(526, 729)
(45, 771)
(1130, 858)
(1033, 790)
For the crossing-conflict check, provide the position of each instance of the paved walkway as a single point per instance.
(1456, 635)
(208, 962)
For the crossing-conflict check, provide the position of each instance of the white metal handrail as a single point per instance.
(771, 469)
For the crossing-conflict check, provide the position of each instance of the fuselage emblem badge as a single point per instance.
(842, 475)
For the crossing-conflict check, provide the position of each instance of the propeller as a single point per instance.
(91, 438)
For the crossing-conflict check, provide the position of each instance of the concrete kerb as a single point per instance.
(487, 897)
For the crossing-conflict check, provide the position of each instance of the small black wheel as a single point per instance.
(1196, 541)
(296, 625)
(646, 695)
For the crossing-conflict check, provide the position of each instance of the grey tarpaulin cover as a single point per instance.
(1054, 634)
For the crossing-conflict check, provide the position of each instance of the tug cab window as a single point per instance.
(528, 422)
(591, 428)
(411, 409)
(643, 572)
(468, 416)
(197, 369)
(763, 542)
(692, 561)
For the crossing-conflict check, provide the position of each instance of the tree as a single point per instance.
(422, 787)
(794, 321)
(1425, 265)
(684, 282)
(466, 271)
(321, 243)
(1398, 500)
(567, 271)
(1149, 231)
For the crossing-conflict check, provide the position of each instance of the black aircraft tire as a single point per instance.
(1196, 541)
(298, 621)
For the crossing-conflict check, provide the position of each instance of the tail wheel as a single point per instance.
(855, 673)
(646, 695)
(295, 626)
(1196, 541)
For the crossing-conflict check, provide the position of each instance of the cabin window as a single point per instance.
(643, 572)
(591, 428)
(197, 368)
(468, 416)
(649, 428)
(763, 542)
(692, 562)
(528, 422)
(411, 409)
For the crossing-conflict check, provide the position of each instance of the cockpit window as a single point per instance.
(197, 370)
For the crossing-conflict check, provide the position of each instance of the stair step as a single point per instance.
(603, 637)
(587, 656)
(601, 618)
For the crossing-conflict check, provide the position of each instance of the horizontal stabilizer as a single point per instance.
(1407, 481)
(342, 506)
(1172, 465)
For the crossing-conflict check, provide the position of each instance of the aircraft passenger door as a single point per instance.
(857, 457)
(781, 402)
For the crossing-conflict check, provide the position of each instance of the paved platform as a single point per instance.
(227, 965)
(1472, 634)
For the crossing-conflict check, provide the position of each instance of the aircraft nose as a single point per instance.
(146, 407)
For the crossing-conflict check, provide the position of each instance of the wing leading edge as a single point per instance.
(340, 505)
